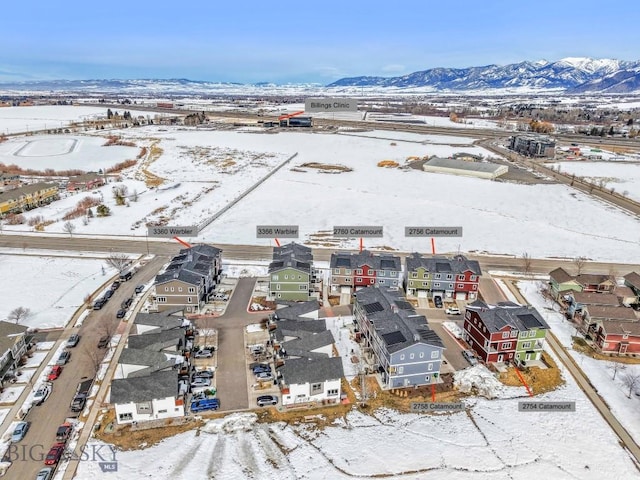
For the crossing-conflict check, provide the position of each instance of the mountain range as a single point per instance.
(571, 75)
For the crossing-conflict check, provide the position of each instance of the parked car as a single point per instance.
(124, 276)
(104, 341)
(55, 372)
(205, 353)
(64, 357)
(42, 393)
(264, 376)
(260, 368)
(44, 473)
(200, 382)
(205, 404)
(78, 402)
(470, 356)
(54, 455)
(452, 311)
(121, 313)
(20, 431)
(266, 400)
(139, 289)
(73, 340)
(115, 285)
(204, 374)
(126, 303)
(64, 432)
(437, 301)
(108, 294)
(98, 304)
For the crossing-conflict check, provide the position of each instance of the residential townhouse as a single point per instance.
(453, 278)
(188, 280)
(632, 280)
(616, 337)
(506, 332)
(138, 362)
(27, 197)
(13, 346)
(561, 282)
(84, 182)
(158, 322)
(291, 274)
(397, 342)
(352, 271)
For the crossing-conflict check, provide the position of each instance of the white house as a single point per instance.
(151, 397)
(305, 380)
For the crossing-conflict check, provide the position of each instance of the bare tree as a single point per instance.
(615, 367)
(207, 335)
(119, 261)
(631, 380)
(120, 194)
(69, 228)
(93, 356)
(579, 262)
(19, 314)
(526, 263)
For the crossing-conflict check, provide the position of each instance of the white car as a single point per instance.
(42, 393)
(452, 311)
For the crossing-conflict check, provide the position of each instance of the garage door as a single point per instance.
(422, 294)
(345, 289)
(461, 296)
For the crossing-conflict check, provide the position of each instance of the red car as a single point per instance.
(53, 457)
(56, 370)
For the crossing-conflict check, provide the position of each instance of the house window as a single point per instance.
(526, 345)
(473, 278)
(625, 336)
(144, 408)
(414, 274)
(425, 275)
(381, 281)
(505, 334)
(449, 276)
(303, 287)
(286, 277)
(347, 280)
(188, 299)
(316, 388)
(278, 286)
(461, 285)
(162, 411)
(532, 333)
(179, 289)
(332, 392)
(461, 278)
(424, 284)
(421, 354)
(411, 356)
(435, 354)
(430, 366)
(475, 287)
(381, 273)
(486, 344)
(505, 346)
(192, 290)
(393, 273)
(395, 282)
(400, 369)
(336, 271)
(274, 277)
(372, 280)
(347, 271)
(437, 276)
(125, 416)
(436, 285)
(358, 271)
(172, 289)
(166, 289)
(162, 299)
(402, 356)
(514, 334)
(427, 378)
(524, 334)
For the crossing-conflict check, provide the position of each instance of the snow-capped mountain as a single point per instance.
(572, 74)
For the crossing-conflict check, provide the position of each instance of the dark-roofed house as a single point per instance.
(399, 342)
(632, 280)
(296, 310)
(291, 273)
(561, 281)
(617, 337)
(86, 181)
(27, 197)
(305, 380)
(150, 397)
(187, 280)
(158, 322)
(353, 271)
(164, 341)
(138, 362)
(506, 332)
(457, 278)
(12, 347)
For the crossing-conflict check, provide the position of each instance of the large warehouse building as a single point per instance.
(454, 166)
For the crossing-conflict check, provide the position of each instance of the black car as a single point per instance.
(121, 313)
(126, 303)
(98, 304)
(108, 294)
(437, 301)
(139, 288)
(115, 285)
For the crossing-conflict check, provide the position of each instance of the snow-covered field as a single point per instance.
(63, 152)
(52, 294)
(624, 177)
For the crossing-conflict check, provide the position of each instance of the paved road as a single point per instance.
(490, 292)
(231, 380)
(46, 418)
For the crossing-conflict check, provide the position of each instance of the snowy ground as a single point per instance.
(55, 293)
(624, 177)
(626, 410)
(63, 152)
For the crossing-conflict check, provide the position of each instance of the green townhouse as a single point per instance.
(291, 274)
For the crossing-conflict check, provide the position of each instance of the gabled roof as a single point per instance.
(622, 292)
(439, 264)
(203, 249)
(397, 325)
(594, 279)
(181, 275)
(299, 347)
(298, 328)
(8, 332)
(148, 358)
(595, 298)
(292, 312)
(283, 263)
(316, 370)
(358, 260)
(167, 320)
(611, 313)
(519, 317)
(293, 250)
(16, 193)
(157, 340)
(614, 327)
(560, 275)
(155, 386)
(633, 279)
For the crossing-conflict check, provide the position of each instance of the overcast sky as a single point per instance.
(308, 41)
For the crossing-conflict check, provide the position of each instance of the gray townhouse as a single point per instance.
(13, 346)
(398, 342)
(353, 271)
(291, 274)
